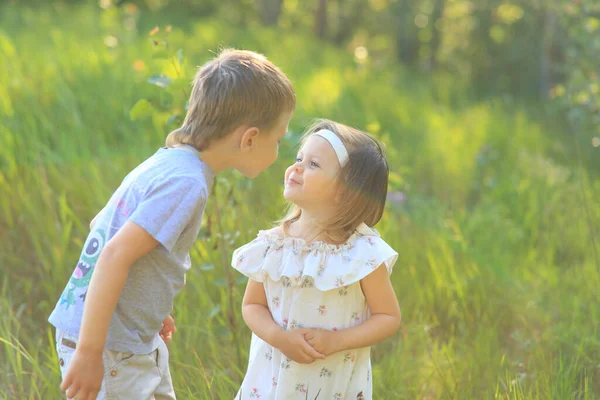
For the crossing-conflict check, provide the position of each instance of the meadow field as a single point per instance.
(493, 210)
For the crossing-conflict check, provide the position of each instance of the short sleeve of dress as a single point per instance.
(322, 265)
(250, 258)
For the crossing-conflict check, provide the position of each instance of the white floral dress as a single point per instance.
(311, 285)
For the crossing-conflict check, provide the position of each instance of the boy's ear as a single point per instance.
(249, 137)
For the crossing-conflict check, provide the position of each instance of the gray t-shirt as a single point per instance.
(166, 196)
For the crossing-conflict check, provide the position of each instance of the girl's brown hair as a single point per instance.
(362, 183)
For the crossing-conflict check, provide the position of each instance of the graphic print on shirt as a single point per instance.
(85, 267)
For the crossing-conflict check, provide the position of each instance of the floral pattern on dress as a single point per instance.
(275, 301)
(349, 357)
(372, 263)
(286, 363)
(294, 325)
(269, 354)
(286, 282)
(266, 251)
(321, 270)
(311, 285)
(301, 387)
(240, 259)
(325, 373)
(307, 282)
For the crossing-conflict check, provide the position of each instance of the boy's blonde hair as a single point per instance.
(362, 184)
(236, 88)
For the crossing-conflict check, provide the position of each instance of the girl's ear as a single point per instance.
(339, 195)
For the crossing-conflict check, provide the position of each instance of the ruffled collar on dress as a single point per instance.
(280, 240)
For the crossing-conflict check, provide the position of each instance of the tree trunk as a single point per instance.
(269, 11)
(321, 20)
(347, 22)
(407, 42)
(545, 54)
(436, 16)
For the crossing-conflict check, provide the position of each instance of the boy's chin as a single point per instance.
(249, 172)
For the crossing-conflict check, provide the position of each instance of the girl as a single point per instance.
(319, 292)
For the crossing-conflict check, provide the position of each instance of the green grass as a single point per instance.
(498, 273)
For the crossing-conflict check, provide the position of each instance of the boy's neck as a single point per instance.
(218, 156)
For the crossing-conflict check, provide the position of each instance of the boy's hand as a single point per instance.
(322, 341)
(84, 376)
(168, 329)
(295, 347)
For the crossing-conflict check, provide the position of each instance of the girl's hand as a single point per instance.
(295, 347)
(322, 340)
(168, 329)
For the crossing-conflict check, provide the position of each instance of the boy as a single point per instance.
(115, 308)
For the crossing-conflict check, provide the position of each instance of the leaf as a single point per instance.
(141, 109)
(395, 178)
(207, 267)
(154, 31)
(180, 85)
(223, 332)
(174, 119)
(180, 56)
(162, 54)
(241, 280)
(215, 310)
(220, 282)
(162, 81)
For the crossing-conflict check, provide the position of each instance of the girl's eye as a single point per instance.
(298, 159)
(313, 164)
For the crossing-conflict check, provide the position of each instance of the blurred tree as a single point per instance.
(542, 48)
(321, 19)
(269, 10)
(407, 30)
(348, 15)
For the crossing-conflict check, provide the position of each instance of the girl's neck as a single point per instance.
(309, 227)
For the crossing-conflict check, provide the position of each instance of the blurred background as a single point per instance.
(489, 112)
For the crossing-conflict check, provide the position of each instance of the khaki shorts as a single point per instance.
(127, 376)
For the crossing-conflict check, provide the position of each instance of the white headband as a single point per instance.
(336, 143)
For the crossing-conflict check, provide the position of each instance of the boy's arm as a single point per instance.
(86, 370)
(93, 222)
(257, 316)
(383, 322)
